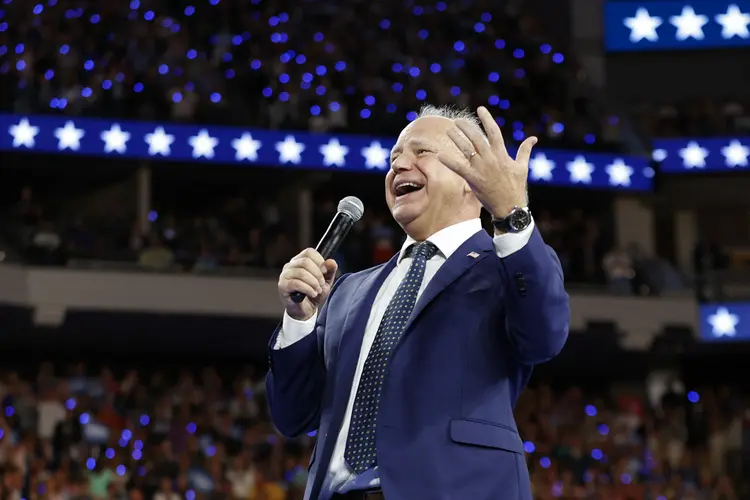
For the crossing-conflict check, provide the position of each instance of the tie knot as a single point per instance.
(424, 249)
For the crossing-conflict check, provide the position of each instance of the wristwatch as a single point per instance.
(516, 221)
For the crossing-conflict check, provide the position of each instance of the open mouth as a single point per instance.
(404, 188)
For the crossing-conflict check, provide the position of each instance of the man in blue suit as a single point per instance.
(409, 371)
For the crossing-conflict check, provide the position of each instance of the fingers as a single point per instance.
(494, 134)
(478, 140)
(461, 167)
(298, 279)
(461, 141)
(524, 151)
(311, 254)
(331, 268)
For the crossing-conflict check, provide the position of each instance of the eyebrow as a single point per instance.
(413, 143)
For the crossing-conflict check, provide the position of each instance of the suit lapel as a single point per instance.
(348, 354)
(464, 258)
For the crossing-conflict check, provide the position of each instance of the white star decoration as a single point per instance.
(115, 139)
(619, 173)
(693, 155)
(643, 26)
(334, 153)
(689, 24)
(376, 156)
(541, 167)
(580, 170)
(23, 133)
(159, 142)
(734, 23)
(290, 151)
(69, 137)
(246, 147)
(723, 323)
(736, 154)
(203, 144)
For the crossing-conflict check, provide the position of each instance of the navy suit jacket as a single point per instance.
(445, 427)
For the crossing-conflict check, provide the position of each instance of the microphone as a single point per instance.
(349, 211)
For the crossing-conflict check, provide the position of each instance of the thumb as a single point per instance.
(331, 268)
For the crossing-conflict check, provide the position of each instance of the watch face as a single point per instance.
(519, 220)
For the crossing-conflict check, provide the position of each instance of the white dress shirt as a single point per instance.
(340, 478)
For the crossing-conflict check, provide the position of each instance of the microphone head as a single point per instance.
(352, 206)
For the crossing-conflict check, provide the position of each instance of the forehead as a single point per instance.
(429, 129)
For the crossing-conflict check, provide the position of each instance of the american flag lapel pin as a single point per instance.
(473, 255)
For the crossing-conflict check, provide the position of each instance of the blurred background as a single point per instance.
(161, 160)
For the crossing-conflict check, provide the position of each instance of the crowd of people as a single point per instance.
(89, 432)
(295, 64)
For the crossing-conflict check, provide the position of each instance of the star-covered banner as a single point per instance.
(249, 147)
(725, 322)
(705, 24)
(725, 154)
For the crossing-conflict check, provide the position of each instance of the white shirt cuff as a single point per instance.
(293, 330)
(509, 243)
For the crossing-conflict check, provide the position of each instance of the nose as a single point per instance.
(402, 164)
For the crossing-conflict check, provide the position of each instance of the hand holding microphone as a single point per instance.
(306, 280)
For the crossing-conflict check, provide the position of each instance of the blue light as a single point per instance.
(214, 2)
(315, 110)
(216, 97)
(596, 454)
(417, 11)
(90, 463)
(153, 215)
(479, 27)
(693, 397)
(177, 97)
(455, 91)
(285, 57)
(589, 138)
(518, 53)
(88, 65)
(163, 69)
(307, 77)
(340, 66)
(137, 454)
(545, 462)
(120, 77)
(64, 49)
(86, 92)
(273, 21)
(558, 58)
(62, 103)
(518, 135)
(138, 444)
(370, 100)
(120, 470)
(625, 479)
(499, 44)
(320, 70)
(144, 420)
(494, 76)
(49, 74)
(284, 78)
(191, 428)
(229, 74)
(529, 447)
(545, 48)
(3, 50)
(227, 57)
(149, 15)
(38, 8)
(440, 6)
(84, 418)
(21, 65)
(95, 19)
(365, 113)
(318, 37)
(421, 95)
(397, 67)
(320, 90)
(603, 429)
(590, 409)
(385, 24)
(397, 87)
(486, 17)
(493, 100)
(414, 71)
(284, 17)
(210, 450)
(19, 48)
(255, 64)
(411, 116)
(138, 87)
(3, 26)
(334, 106)
(423, 34)
(284, 96)
(189, 10)
(459, 46)
(135, 4)
(391, 108)
(70, 404)
(519, 73)
(435, 67)
(300, 59)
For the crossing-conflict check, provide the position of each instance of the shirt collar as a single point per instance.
(447, 240)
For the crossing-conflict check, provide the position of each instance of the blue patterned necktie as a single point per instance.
(360, 451)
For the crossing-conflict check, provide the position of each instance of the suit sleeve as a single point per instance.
(537, 306)
(296, 377)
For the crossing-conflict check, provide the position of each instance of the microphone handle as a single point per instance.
(330, 242)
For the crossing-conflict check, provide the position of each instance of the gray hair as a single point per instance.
(453, 113)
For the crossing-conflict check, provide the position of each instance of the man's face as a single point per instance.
(423, 194)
